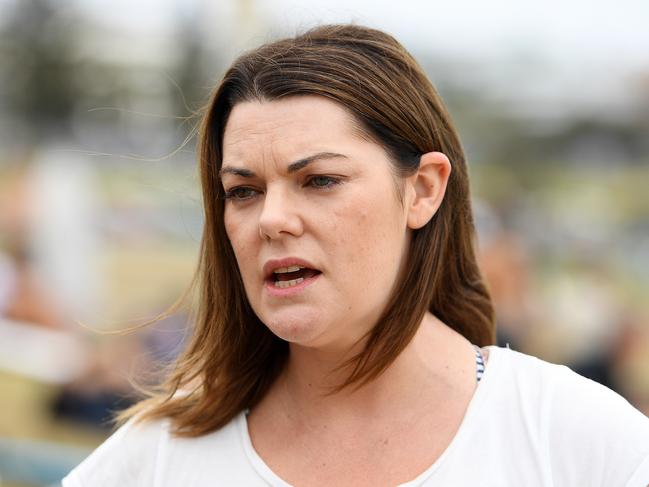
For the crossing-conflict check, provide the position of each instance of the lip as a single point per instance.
(273, 264)
(269, 285)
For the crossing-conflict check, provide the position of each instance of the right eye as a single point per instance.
(240, 193)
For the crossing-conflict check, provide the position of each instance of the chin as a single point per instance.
(302, 330)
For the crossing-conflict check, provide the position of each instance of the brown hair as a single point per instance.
(233, 358)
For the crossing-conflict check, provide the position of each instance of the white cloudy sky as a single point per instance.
(578, 48)
(555, 49)
(613, 32)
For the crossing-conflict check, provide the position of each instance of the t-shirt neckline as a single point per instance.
(475, 405)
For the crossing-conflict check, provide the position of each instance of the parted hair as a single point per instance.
(232, 358)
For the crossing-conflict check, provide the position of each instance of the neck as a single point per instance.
(428, 365)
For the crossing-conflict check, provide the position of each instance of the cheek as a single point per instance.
(372, 235)
(238, 234)
(238, 224)
(231, 232)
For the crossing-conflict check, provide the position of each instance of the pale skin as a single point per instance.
(341, 212)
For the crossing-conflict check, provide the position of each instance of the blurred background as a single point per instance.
(100, 212)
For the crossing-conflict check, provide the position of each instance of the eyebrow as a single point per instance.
(292, 167)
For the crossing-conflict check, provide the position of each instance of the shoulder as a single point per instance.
(588, 406)
(147, 453)
(584, 426)
(127, 457)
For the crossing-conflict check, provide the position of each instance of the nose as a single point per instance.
(279, 215)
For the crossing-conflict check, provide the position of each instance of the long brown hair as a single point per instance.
(233, 358)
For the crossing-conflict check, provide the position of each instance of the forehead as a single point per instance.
(288, 127)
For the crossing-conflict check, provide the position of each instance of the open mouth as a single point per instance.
(285, 277)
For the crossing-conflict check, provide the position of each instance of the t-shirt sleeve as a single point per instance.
(595, 437)
(127, 458)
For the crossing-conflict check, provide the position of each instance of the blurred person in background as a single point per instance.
(588, 345)
(100, 383)
(505, 264)
(24, 297)
(344, 334)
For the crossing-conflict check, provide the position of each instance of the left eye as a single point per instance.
(322, 181)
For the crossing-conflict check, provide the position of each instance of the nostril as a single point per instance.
(262, 233)
(285, 223)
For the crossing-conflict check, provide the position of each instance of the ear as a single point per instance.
(426, 188)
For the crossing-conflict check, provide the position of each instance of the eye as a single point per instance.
(241, 193)
(322, 181)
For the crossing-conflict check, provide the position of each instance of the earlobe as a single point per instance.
(428, 186)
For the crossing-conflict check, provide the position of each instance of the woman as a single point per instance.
(341, 312)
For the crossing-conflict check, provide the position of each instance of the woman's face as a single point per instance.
(314, 219)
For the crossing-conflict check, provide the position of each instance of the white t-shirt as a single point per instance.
(530, 423)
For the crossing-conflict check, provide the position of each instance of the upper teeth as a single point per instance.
(284, 270)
